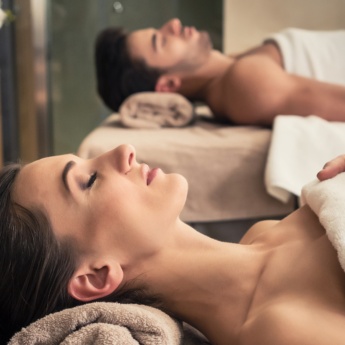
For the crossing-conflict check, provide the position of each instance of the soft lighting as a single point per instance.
(5, 15)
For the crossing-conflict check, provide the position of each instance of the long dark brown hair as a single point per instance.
(35, 267)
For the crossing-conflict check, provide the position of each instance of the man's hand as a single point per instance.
(332, 168)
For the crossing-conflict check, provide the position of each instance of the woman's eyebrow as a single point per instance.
(65, 171)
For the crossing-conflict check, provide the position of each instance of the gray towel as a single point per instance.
(156, 110)
(102, 323)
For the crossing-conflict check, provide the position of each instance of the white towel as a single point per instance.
(327, 200)
(156, 110)
(299, 148)
(315, 54)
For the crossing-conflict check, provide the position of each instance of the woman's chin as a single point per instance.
(181, 190)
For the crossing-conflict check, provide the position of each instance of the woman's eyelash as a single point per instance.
(91, 180)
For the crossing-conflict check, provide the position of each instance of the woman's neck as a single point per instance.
(203, 281)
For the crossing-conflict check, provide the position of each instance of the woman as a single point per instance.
(76, 231)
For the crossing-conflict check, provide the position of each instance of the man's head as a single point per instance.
(147, 60)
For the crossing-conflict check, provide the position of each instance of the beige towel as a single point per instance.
(102, 323)
(156, 110)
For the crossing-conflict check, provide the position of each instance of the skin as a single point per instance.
(282, 284)
(247, 88)
(332, 168)
(101, 216)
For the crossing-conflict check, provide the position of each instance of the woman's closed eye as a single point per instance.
(91, 181)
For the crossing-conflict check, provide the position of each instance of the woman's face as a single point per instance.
(109, 204)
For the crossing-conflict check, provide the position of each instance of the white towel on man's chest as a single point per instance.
(315, 54)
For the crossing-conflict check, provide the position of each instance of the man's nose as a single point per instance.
(173, 26)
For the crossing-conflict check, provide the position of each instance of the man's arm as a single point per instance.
(259, 89)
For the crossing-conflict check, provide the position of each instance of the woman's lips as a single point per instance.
(148, 174)
(151, 175)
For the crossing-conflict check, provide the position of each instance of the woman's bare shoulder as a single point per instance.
(293, 323)
(255, 232)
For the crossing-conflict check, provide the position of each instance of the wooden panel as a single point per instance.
(28, 130)
(248, 22)
(1, 143)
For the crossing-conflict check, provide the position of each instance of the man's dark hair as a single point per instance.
(118, 76)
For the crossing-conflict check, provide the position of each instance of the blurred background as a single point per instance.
(49, 98)
(48, 90)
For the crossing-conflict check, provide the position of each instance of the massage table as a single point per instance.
(223, 164)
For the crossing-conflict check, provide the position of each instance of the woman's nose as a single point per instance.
(126, 157)
(122, 158)
(173, 26)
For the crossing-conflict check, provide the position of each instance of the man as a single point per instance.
(248, 88)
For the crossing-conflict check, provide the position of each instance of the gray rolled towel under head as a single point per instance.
(105, 323)
(156, 110)
(102, 323)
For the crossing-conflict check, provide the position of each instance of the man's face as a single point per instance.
(172, 48)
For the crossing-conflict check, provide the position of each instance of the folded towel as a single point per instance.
(156, 110)
(299, 148)
(327, 200)
(102, 323)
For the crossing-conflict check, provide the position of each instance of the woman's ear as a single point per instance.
(168, 83)
(93, 282)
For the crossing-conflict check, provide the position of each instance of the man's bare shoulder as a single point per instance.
(268, 49)
(255, 87)
(295, 323)
(255, 70)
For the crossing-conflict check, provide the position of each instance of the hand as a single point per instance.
(332, 168)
